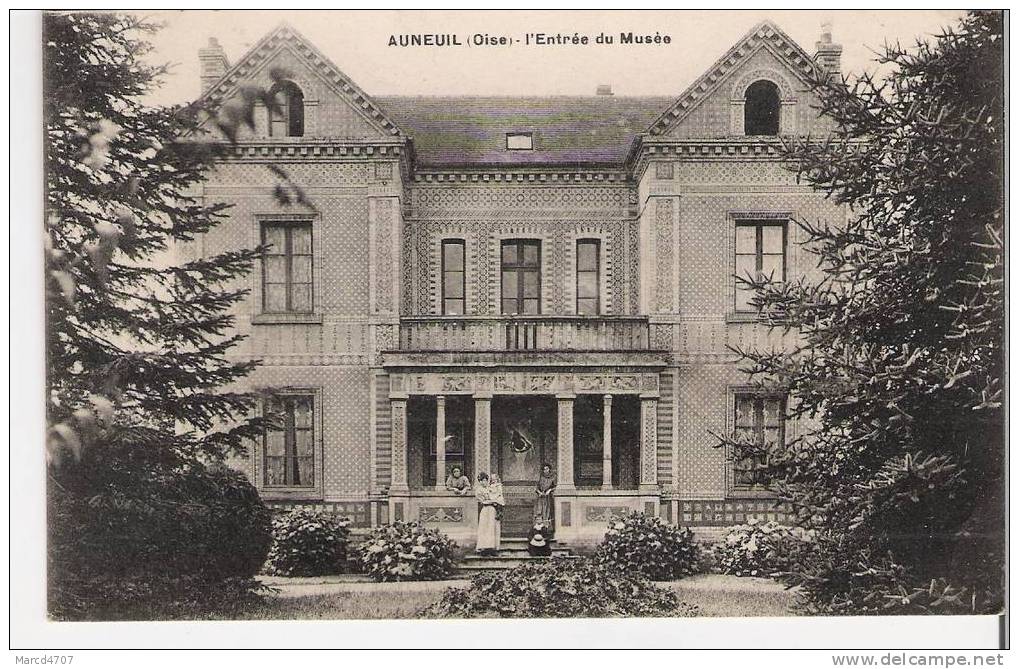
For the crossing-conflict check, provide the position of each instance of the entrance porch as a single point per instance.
(598, 433)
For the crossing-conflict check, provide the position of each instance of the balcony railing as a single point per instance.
(523, 333)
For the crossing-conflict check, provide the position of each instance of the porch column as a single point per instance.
(606, 481)
(482, 436)
(399, 423)
(440, 442)
(565, 446)
(649, 444)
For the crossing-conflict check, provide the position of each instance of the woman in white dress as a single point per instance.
(488, 524)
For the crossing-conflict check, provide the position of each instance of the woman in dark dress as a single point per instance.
(544, 510)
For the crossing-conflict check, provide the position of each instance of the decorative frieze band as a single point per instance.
(523, 383)
(441, 514)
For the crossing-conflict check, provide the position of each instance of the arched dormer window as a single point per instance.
(762, 109)
(287, 119)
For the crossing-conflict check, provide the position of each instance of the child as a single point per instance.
(538, 546)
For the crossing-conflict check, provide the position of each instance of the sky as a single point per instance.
(356, 41)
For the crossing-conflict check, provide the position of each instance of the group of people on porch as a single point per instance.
(489, 494)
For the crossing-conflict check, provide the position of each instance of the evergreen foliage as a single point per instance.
(898, 374)
(138, 337)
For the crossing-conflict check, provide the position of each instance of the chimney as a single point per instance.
(214, 63)
(828, 55)
(603, 89)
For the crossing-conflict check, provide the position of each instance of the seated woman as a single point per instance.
(457, 483)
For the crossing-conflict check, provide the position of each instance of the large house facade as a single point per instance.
(497, 283)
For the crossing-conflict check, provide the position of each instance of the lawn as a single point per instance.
(734, 596)
(344, 599)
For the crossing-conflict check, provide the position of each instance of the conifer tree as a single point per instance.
(898, 373)
(128, 325)
(138, 337)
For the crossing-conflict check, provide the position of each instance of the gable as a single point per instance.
(711, 108)
(335, 107)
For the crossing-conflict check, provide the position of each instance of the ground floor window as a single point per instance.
(759, 420)
(289, 442)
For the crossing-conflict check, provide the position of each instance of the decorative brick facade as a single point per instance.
(375, 343)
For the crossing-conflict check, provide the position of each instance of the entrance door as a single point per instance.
(523, 437)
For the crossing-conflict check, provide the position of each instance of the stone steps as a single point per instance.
(512, 553)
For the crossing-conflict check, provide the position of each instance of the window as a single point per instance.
(519, 141)
(453, 284)
(759, 420)
(289, 445)
(760, 253)
(287, 119)
(588, 261)
(761, 109)
(521, 276)
(287, 267)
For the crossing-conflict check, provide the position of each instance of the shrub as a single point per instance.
(760, 548)
(121, 533)
(644, 544)
(407, 552)
(308, 543)
(559, 588)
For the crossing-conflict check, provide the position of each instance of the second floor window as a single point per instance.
(588, 257)
(760, 420)
(453, 283)
(760, 253)
(521, 276)
(288, 449)
(287, 267)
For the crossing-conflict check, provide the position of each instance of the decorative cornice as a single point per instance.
(765, 35)
(741, 149)
(284, 36)
(524, 175)
(316, 150)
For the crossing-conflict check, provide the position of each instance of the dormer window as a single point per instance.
(762, 109)
(519, 141)
(287, 119)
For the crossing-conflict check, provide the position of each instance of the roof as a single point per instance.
(765, 35)
(581, 130)
(284, 36)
